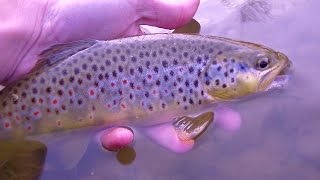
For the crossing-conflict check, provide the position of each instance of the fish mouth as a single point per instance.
(278, 77)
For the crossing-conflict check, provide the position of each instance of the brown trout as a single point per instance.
(135, 80)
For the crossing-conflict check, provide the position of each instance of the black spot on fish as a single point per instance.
(106, 75)
(226, 74)
(154, 54)
(123, 58)
(165, 78)
(89, 76)
(185, 54)
(61, 82)
(187, 83)
(219, 68)
(184, 98)
(54, 80)
(175, 62)
(120, 68)
(132, 85)
(114, 74)
(133, 59)
(102, 90)
(114, 59)
(79, 81)
(94, 67)
(156, 69)
(140, 69)
(158, 82)
(108, 63)
(34, 90)
(207, 82)
(233, 60)
(100, 77)
(79, 101)
(191, 70)
(217, 82)
(165, 64)
(76, 71)
(224, 85)
(48, 90)
(141, 55)
(173, 49)
(131, 71)
(225, 60)
(220, 52)
(146, 94)
(171, 73)
(232, 79)
(199, 60)
(196, 83)
(191, 101)
(148, 64)
(180, 90)
(60, 92)
(84, 66)
(231, 70)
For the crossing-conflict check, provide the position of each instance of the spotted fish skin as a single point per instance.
(133, 79)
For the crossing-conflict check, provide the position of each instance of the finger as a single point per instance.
(227, 118)
(166, 14)
(114, 139)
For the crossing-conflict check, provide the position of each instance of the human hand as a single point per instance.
(29, 27)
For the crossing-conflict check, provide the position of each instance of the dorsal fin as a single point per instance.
(60, 52)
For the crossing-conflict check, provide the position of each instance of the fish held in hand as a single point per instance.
(138, 80)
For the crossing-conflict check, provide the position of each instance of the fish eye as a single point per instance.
(263, 63)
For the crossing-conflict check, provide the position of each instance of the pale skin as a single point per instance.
(29, 27)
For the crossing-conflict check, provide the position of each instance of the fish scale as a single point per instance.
(131, 79)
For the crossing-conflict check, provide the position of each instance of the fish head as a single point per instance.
(245, 71)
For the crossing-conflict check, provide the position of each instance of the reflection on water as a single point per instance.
(279, 136)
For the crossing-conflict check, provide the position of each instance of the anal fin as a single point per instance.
(188, 128)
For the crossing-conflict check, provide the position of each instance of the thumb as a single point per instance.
(166, 14)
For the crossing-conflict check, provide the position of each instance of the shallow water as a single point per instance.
(280, 131)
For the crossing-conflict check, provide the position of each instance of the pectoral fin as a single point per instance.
(189, 128)
(179, 136)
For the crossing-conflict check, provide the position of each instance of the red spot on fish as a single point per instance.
(40, 101)
(37, 113)
(138, 87)
(120, 91)
(166, 91)
(18, 118)
(124, 81)
(149, 76)
(33, 100)
(58, 123)
(54, 101)
(123, 106)
(112, 84)
(27, 118)
(142, 103)
(180, 69)
(10, 114)
(91, 92)
(7, 125)
(23, 107)
(154, 92)
(29, 128)
(48, 110)
(109, 106)
(70, 92)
